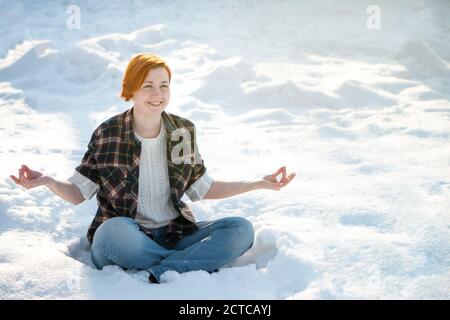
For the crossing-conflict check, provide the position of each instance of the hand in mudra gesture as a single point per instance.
(29, 178)
(270, 181)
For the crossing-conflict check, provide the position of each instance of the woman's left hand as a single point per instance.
(270, 181)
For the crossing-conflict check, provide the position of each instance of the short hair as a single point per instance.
(137, 71)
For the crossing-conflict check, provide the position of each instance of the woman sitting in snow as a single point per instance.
(134, 166)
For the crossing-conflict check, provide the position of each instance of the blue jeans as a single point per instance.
(120, 241)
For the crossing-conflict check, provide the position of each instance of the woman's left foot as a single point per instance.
(152, 279)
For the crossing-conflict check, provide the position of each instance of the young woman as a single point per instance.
(140, 163)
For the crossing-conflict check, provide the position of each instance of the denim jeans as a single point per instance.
(120, 241)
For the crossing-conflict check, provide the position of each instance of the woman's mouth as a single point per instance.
(155, 104)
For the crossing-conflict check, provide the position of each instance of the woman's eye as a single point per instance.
(165, 86)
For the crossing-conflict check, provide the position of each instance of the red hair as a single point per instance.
(137, 71)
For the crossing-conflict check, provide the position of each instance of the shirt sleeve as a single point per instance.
(87, 188)
(199, 182)
(86, 176)
(199, 188)
(88, 165)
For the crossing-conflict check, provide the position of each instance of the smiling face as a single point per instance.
(154, 94)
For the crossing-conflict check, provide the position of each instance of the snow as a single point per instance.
(361, 115)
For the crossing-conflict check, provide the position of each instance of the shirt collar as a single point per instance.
(128, 131)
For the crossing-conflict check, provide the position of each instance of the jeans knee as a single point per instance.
(113, 229)
(117, 240)
(245, 229)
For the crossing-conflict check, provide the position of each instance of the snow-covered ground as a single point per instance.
(361, 115)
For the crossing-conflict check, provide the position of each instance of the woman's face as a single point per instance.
(154, 94)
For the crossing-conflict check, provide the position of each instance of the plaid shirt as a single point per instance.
(112, 161)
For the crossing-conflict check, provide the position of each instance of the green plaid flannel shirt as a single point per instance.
(112, 161)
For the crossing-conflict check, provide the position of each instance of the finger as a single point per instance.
(29, 171)
(22, 178)
(288, 179)
(26, 170)
(283, 177)
(15, 179)
(277, 172)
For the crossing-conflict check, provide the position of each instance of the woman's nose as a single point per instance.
(156, 94)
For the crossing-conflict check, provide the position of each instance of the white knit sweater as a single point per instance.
(155, 208)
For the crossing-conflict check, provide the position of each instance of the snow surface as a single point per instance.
(361, 115)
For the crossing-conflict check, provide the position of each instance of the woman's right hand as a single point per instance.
(29, 178)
